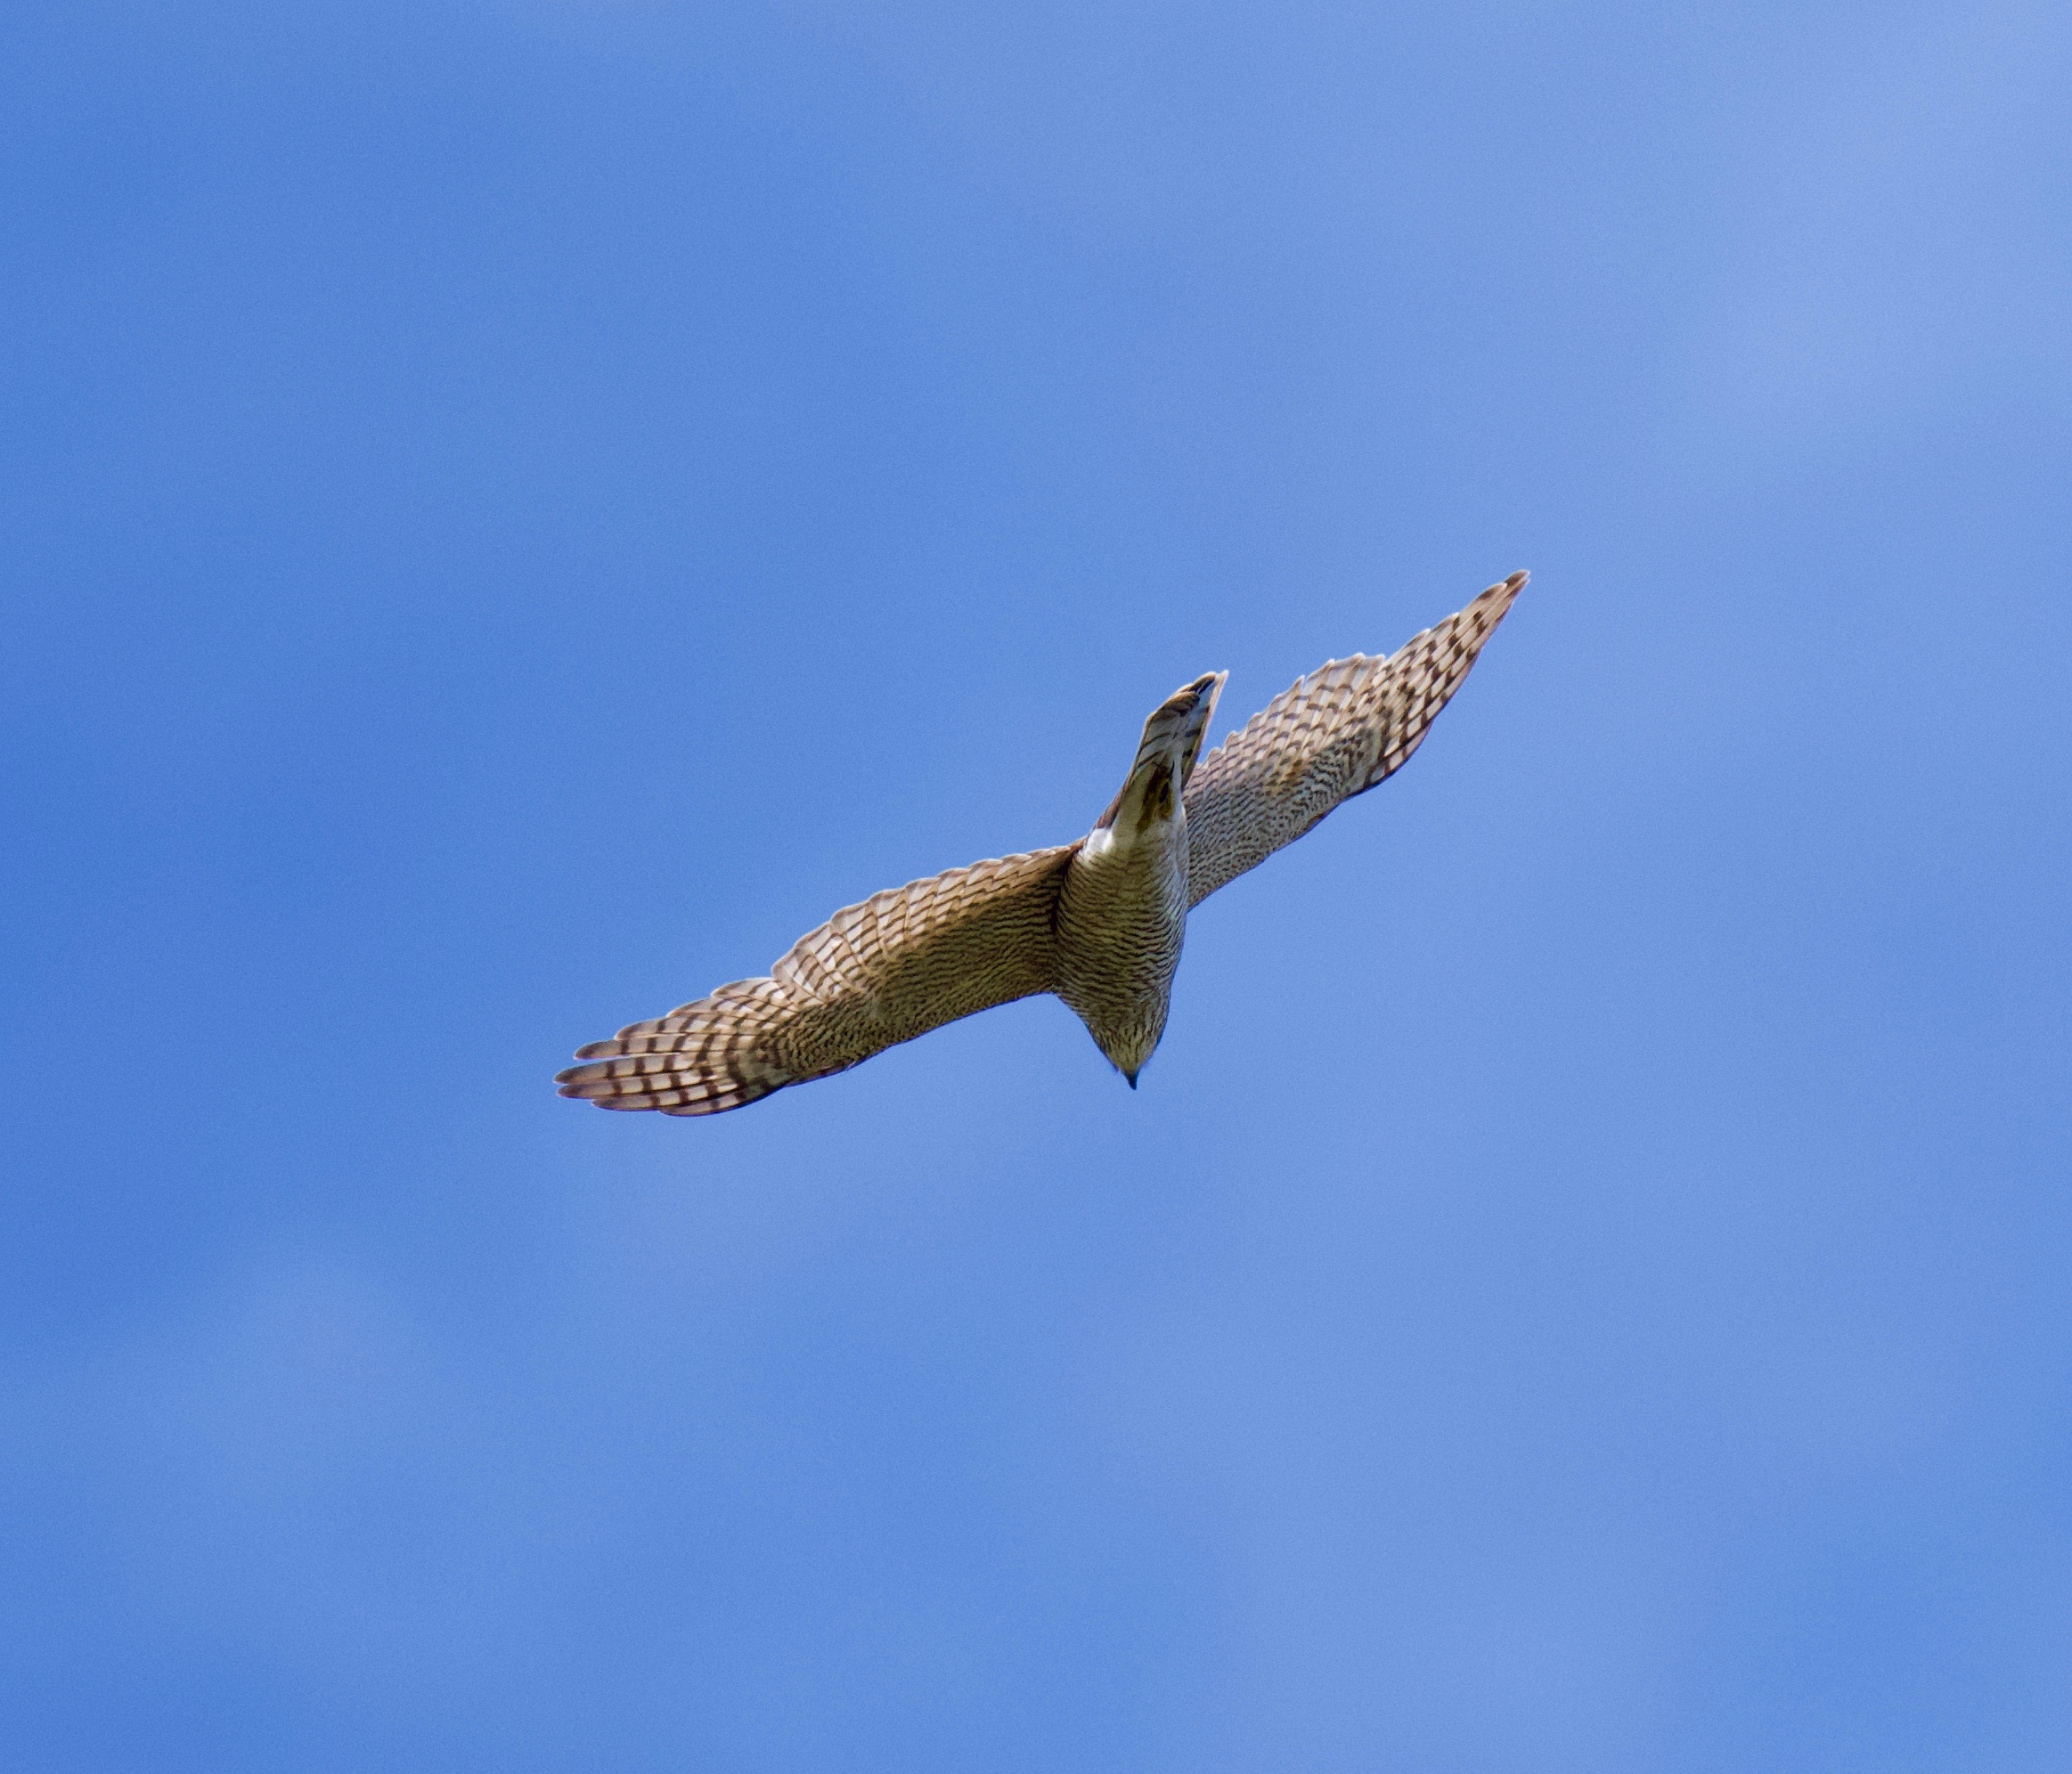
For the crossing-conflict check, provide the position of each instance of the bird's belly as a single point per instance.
(1121, 915)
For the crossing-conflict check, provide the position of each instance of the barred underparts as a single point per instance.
(1099, 922)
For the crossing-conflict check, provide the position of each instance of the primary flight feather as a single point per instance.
(1099, 922)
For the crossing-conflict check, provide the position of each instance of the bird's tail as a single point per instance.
(1186, 714)
(1165, 755)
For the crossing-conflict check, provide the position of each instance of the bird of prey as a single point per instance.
(1099, 921)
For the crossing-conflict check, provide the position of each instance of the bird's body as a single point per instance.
(1122, 906)
(1121, 916)
(1099, 922)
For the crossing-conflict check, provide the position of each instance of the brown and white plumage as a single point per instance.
(1099, 922)
(1346, 728)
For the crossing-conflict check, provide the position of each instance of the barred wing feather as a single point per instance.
(903, 962)
(1337, 733)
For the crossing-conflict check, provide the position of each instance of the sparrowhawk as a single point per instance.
(1099, 921)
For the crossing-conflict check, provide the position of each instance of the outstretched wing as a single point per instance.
(1334, 735)
(903, 962)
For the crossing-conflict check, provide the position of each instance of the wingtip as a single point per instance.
(1498, 599)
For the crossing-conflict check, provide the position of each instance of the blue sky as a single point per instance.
(513, 511)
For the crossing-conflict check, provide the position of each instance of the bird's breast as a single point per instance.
(1121, 915)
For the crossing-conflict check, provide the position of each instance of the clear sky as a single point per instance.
(513, 511)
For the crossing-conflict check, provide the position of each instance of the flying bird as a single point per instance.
(1099, 922)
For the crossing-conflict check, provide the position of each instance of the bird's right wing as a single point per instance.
(1335, 734)
(903, 962)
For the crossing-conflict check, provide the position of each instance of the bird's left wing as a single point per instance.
(1335, 734)
(903, 962)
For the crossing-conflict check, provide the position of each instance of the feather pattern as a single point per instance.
(1100, 921)
(902, 963)
(1348, 724)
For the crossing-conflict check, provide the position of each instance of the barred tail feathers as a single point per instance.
(1165, 755)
